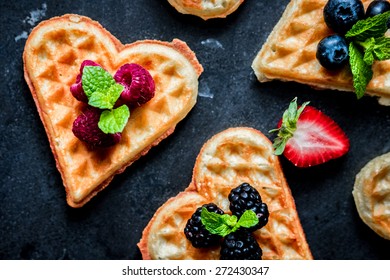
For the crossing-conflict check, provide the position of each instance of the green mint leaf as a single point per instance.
(95, 78)
(106, 99)
(361, 71)
(225, 224)
(248, 219)
(288, 127)
(370, 27)
(113, 121)
(215, 223)
(382, 48)
(369, 45)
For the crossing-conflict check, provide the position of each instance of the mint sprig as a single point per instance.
(367, 44)
(106, 99)
(225, 224)
(95, 78)
(103, 92)
(364, 29)
(115, 120)
(361, 71)
(288, 126)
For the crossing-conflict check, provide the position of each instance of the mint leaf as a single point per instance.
(113, 121)
(382, 48)
(370, 27)
(225, 224)
(248, 219)
(216, 223)
(106, 99)
(95, 78)
(369, 46)
(361, 71)
(288, 127)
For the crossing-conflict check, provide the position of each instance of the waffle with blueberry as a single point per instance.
(290, 52)
(55, 53)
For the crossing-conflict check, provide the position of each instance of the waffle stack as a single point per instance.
(228, 159)
(372, 194)
(52, 57)
(206, 9)
(289, 53)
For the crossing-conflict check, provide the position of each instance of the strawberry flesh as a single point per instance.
(317, 139)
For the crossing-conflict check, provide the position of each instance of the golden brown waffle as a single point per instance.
(289, 53)
(228, 159)
(372, 194)
(52, 57)
(206, 9)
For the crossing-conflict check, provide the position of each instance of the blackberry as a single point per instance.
(240, 245)
(196, 232)
(245, 197)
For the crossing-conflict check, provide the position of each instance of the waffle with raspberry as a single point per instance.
(52, 57)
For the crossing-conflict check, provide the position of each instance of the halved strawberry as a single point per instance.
(308, 137)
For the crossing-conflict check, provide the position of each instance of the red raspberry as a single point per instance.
(139, 84)
(86, 128)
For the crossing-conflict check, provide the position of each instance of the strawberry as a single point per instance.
(308, 137)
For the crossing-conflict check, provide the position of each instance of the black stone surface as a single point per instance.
(36, 222)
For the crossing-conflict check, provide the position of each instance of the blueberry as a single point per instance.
(332, 52)
(377, 7)
(341, 15)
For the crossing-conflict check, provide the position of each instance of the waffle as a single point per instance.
(372, 194)
(289, 54)
(52, 57)
(228, 159)
(206, 9)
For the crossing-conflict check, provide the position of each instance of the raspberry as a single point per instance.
(86, 128)
(245, 197)
(77, 88)
(196, 232)
(139, 84)
(240, 245)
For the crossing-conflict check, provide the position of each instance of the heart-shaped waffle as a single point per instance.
(206, 9)
(52, 57)
(228, 159)
(289, 54)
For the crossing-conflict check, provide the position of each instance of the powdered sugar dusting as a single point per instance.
(204, 91)
(22, 35)
(36, 15)
(212, 43)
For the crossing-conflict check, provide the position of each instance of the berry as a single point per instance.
(139, 84)
(240, 245)
(196, 232)
(245, 197)
(86, 128)
(310, 138)
(377, 7)
(332, 52)
(77, 88)
(341, 15)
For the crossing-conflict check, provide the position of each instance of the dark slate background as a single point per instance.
(36, 222)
